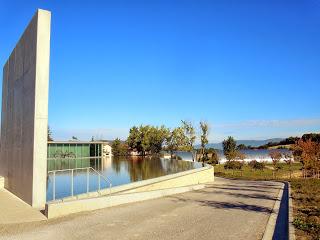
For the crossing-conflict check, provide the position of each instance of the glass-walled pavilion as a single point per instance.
(71, 155)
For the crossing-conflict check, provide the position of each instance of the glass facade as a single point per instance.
(73, 155)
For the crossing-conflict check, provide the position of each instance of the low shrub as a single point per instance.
(254, 164)
(234, 165)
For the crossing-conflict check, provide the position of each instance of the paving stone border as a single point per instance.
(292, 235)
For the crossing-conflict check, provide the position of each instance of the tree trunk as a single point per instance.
(290, 170)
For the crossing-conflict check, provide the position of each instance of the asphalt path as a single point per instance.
(225, 209)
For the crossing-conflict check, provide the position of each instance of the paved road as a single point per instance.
(227, 209)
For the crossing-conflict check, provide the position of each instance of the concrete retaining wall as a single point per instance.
(54, 210)
(186, 178)
(138, 191)
(193, 177)
(24, 117)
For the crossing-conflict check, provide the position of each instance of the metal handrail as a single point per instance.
(72, 158)
(106, 179)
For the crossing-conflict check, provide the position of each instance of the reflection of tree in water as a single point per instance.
(116, 163)
(145, 168)
(175, 166)
(152, 167)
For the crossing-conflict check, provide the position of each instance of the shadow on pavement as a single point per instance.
(226, 205)
(239, 205)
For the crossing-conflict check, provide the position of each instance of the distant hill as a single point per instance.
(253, 143)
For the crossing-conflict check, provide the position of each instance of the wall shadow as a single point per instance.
(282, 225)
(227, 187)
(238, 205)
(226, 205)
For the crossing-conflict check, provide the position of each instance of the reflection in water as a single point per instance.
(120, 170)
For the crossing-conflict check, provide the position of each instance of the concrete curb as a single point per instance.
(292, 235)
(271, 225)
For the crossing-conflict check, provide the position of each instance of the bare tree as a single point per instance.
(288, 160)
(276, 157)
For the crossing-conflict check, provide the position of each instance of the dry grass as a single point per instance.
(306, 200)
(267, 174)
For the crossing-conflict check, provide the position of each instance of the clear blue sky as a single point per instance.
(249, 68)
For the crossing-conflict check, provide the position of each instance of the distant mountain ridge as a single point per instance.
(253, 143)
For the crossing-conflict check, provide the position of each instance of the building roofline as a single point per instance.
(78, 142)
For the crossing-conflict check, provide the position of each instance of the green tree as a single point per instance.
(118, 148)
(214, 159)
(156, 138)
(147, 139)
(255, 165)
(314, 137)
(242, 147)
(229, 148)
(49, 134)
(190, 134)
(134, 139)
(176, 140)
(204, 138)
(73, 138)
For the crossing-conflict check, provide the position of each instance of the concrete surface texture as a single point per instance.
(24, 117)
(14, 210)
(1, 182)
(59, 209)
(275, 227)
(191, 177)
(225, 209)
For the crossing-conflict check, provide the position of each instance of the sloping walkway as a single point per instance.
(226, 209)
(14, 210)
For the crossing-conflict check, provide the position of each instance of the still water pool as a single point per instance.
(118, 170)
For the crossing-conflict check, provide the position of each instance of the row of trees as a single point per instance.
(147, 139)
(285, 143)
(305, 150)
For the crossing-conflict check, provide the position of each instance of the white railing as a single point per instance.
(100, 176)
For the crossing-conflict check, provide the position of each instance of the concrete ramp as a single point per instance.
(14, 210)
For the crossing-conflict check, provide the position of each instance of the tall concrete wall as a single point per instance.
(24, 118)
